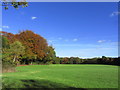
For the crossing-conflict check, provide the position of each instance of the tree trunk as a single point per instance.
(31, 63)
(14, 58)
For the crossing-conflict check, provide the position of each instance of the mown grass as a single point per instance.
(62, 76)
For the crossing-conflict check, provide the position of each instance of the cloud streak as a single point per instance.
(50, 41)
(114, 14)
(87, 50)
(101, 41)
(33, 18)
(7, 27)
(60, 38)
(75, 39)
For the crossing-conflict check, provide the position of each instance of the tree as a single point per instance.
(16, 50)
(14, 3)
(56, 60)
(5, 43)
(4, 48)
(71, 60)
(51, 55)
(65, 60)
(11, 37)
(35, 45)
(76, 60)
(7, 64)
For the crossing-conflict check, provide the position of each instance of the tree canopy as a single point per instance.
(34, 43)
(16, 50)
(14, 4)
(28, 46)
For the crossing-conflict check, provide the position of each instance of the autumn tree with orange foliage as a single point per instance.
(36, 45)
(11, 37)
(37, 49)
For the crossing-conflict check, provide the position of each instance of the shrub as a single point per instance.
(8, 67)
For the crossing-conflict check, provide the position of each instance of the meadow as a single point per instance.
(62, 76)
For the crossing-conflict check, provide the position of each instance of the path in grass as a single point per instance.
(62, 76)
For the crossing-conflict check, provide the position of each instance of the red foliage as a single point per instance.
(9, 36)
(34, 43)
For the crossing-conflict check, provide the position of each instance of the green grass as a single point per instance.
(62, 76)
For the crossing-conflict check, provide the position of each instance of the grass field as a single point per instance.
(62, 76)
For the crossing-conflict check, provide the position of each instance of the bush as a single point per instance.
(8, 67)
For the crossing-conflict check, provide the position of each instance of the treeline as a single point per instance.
(25, 47)
(97, 60)
(28, 48)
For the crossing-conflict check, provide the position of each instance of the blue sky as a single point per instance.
(74, 29)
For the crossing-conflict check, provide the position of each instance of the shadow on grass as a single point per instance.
(44, 84)
(35, 84)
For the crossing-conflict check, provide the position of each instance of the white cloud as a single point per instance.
(68, 45)
(33, 18)
(6, 27)
(50, 41)
(75, 39)
(87, 50)
(60, 38)
(0, 29)
(114, 14)
(101, 41)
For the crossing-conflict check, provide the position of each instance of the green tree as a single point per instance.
(76, 60)
(50, 55)
(57, 60)
(5, 56)
(16, 50)
(4, 47)
(71, 60)
(5, 44)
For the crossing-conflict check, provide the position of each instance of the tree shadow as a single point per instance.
(45, 84)
(31, 84)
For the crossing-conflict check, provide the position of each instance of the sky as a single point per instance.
(79, 29)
